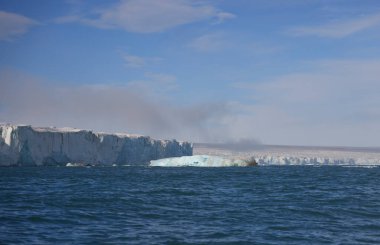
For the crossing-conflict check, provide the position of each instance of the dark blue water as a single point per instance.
(137, 205)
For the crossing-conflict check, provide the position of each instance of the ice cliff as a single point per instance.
(27, 145)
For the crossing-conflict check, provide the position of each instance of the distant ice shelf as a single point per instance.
(300, 155)
(218, 161)
(292, 160)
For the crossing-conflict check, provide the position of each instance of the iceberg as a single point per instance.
(201, 161)
(31, 146)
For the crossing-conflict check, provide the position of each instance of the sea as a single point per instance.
(189, 205)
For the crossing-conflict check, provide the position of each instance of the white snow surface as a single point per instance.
(27, 145)
(198, 161)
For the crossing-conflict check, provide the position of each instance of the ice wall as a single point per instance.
(26, 145)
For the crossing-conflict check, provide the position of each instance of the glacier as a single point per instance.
(30, 146)
(262, 160)
(293, 155)
(200, 161)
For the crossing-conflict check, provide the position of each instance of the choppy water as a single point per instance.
(137, 205)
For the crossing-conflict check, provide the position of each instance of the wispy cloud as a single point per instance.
(14, 25)
(223, 16)
(135, 61)
(147, 16)
(210, 42)
(339, 29)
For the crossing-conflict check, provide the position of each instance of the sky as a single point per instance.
(295, 72)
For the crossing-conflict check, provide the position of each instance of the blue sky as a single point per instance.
(298, 72)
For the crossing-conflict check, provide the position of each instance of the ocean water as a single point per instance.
(146, 205)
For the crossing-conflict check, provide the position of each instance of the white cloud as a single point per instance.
(223, 16)
(161, 78)
(134, 61)
(147, 16)
(14, 25)
(339, 29)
